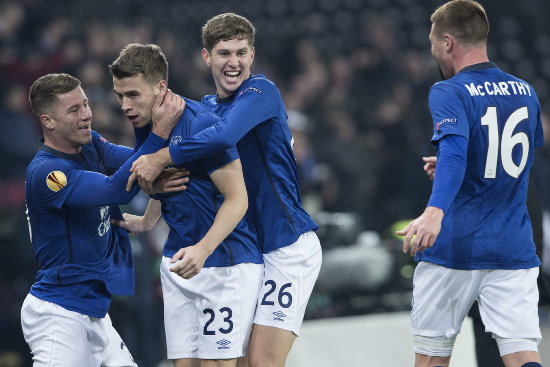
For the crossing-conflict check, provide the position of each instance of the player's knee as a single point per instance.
(439, 346)
(514, 345)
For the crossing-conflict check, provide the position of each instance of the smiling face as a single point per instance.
(68, 122)
(230, 63)
(136, 97)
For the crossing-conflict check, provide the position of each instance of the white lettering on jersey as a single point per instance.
(105, 224)
(500, 88)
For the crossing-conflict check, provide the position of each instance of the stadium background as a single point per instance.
(355, 76)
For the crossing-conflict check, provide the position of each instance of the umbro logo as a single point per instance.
(279, 315)
(223, 344)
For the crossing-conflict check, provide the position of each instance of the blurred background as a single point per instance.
(355, 77)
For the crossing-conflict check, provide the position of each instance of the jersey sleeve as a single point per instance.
(96, 189)
(448, 112)
(219, 160)
(112, 155)
(52, 181)
(449, 171)
(257, 102)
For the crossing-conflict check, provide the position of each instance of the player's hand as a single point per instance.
(421, 233)
(145, 170)
(171, 179)
(134, 224)
(191, 260)
(429, 167)
(166, 112)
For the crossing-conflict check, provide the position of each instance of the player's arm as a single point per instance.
(258, 103)
(114, 155)
(135, 224)
(95, 189)
(449, 173)
(230, 182)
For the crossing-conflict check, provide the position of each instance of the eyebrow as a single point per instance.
(125, 93)
(228, 50)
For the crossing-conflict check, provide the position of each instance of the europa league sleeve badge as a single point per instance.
(56, 180)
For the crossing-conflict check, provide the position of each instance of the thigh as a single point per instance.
(116, 353)
(226, 310)
(210, 315)
(181, 318)
(441, 299)
(508, 303)
(56, 336)
(289, 276)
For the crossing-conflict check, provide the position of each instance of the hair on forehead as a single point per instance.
(145, 59)
(225, 27)
(45, 90)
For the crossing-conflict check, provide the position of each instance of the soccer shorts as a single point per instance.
(59, 337)
(290, 273)
(210, 315)
(442, 297)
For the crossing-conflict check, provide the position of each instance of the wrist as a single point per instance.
(163, 155)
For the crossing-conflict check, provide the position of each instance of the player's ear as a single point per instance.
(161, 86)
(252, 53)
(47, 122)
(449, 42)
(206, 56)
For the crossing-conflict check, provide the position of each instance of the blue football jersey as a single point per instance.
(70, 203)
(255, 119)
(190, 213)
(487, 225)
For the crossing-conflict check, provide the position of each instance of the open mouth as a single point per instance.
(232, 74)
(133, 118)
(86, 127)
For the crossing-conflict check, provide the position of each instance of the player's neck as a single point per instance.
(471, 57)
(63, 147)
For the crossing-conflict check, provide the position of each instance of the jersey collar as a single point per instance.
(232, 97)
(58, 153)
(480, 66)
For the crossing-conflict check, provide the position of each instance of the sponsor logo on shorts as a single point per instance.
(223, 344)
(279, 316)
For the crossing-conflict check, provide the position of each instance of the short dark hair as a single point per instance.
(464, 19)
(44, 91)
(136, 58)
(225, 27)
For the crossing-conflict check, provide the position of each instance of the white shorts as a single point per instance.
(210, 315)
(442, 297)
(289, 276)
(59, 337)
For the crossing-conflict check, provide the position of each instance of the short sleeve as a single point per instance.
(219, 160)
(448, 112)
